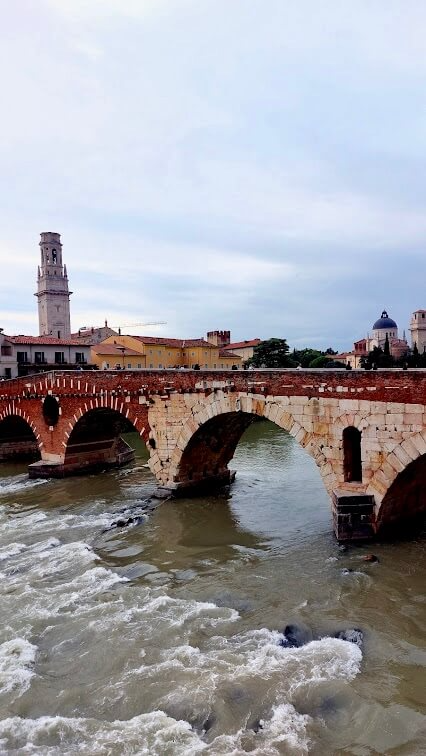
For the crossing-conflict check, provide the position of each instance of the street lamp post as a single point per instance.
(122, 349)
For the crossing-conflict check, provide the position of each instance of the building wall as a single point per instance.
(118, 361)
(418, 330)
(8, 363)
(219, 338)
(245, 353)
(47, 353)
(159, 356)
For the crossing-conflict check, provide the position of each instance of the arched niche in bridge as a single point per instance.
(17, 440)
(96, 439)
(352, 465)
(404, 504)
(50, 410)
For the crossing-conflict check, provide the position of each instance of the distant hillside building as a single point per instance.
(383, 328)
(418, 330)
(52, 289)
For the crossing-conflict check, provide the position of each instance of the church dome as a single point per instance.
(384, 322)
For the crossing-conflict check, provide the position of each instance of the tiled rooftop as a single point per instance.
(243, 344)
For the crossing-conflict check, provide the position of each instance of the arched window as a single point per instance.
(352, 466)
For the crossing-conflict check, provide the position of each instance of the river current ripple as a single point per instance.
(163, 637)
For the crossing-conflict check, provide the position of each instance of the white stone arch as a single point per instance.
(396, 461)
(275, 409)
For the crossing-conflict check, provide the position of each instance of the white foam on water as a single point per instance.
(13, 549)
(150, 734)
(51, 578)
(19, 483)
(17, 659)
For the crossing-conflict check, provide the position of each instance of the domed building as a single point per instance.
(385, 327)
(382, 328)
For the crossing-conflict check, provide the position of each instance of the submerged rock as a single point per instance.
(200, 723)
(370, 558)
(296, 636)
(125, 522)
(351, 635)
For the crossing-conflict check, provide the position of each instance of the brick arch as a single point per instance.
(270, 409)
(16, 411)
(401, 456)
(92, 436)
(113, 403)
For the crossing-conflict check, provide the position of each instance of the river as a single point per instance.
(162, 637)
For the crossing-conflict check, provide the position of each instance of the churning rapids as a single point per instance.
(127, 631)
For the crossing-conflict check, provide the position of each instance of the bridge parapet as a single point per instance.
(379, 385)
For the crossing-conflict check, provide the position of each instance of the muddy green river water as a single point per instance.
(163, 637)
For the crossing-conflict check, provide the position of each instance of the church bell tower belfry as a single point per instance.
(52, 289)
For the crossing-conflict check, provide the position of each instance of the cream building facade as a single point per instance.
(418, 330)
(160, 352)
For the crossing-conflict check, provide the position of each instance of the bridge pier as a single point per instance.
(83, 458)
(353, 515)
(199, 484)
(18, 450)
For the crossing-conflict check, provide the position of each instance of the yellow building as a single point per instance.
(114, 357)
(139, 352)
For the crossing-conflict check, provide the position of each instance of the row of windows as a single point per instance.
(160, 366)
(169, 354)
(40, 358)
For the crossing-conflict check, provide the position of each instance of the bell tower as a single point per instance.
(52, 289)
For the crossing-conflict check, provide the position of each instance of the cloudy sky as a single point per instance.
(255, 165)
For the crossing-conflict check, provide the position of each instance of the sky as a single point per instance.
(251, 165)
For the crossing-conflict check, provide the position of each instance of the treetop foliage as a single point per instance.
(274, 353)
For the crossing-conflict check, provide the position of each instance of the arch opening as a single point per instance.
(352, 464)
(205, 459)
(97, 441)
(17, 440)
(403, 508)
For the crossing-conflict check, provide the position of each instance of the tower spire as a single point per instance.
(52, 289)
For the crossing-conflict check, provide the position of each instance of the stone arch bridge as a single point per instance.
(365, 430)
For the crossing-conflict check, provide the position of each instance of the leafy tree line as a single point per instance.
(381, 358)
(275, 353)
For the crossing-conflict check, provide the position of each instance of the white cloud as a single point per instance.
(204, 152)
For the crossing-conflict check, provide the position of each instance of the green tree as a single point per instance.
(324, 361)
(377, 358)
(386, 348)
(304, 357)
(272, 353)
